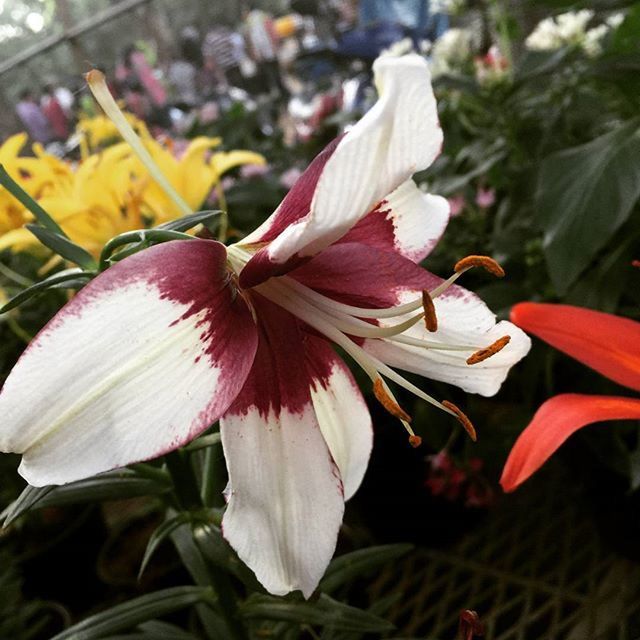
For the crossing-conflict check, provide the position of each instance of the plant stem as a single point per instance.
(184, 481)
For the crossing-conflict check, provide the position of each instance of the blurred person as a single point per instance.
(224, 50)
(262, 43)
(32, 118)
(146, 92)
(53, 111)
(183, 72)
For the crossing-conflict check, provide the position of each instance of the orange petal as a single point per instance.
(607, 343)
(553, 423)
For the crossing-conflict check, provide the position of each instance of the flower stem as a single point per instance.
(184, 480)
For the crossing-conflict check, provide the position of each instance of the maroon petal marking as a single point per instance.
(365, 276)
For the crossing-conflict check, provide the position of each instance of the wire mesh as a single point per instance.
(535, 569)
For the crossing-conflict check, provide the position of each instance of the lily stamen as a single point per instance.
(487, 352)
(384, 397)
(430, 318)
(487, 263)
(462, 418)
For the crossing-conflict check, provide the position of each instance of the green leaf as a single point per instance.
(29, 497)
(188, 222)
(24, 198)
(585, 194)
(160, 535)
(203, 442)
(215, 549)
(143, 236)
(61, 279)
(353, 565)
(325, 612)
(112, 485)
(63, 246)
(155, 630)
(129, 614)
(102, 488)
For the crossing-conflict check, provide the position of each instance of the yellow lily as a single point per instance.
(94, 132)
(33, 174)
(193, 176)
(101, 200)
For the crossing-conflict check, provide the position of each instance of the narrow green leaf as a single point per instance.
(188, 222)
(29, 498)
(357, 563)
(203, 442)
(23, 197)
(132, 613)
(63, 246)
(57, 280)
(159, 536)
(113, 485)
(325, 612)
(585, 194)
(150, 236)
(219, 553)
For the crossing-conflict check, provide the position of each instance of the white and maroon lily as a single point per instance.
(167, 341)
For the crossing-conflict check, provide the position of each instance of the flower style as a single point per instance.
(153, 351)
(607, 343)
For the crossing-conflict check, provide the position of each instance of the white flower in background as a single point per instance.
(592, 43)
(451, 51)
(571, 25)
(570, 29)
(615, 20)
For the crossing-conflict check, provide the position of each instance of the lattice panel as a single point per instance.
(535, 570)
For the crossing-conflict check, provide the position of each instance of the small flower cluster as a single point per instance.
(571, 29)
(455, 482)
(451, 51)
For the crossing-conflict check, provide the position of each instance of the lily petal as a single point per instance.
(285, 494)
(605, 342)
(399, 136)
(407, 221)
(341, 412)
(142, 360)
(553, 423)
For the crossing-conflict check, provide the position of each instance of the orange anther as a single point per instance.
(415, 441)
(388, 402)
(462, 418)
(487, 263)
(430, 318)
(491, 350)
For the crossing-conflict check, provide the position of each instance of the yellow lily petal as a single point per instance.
(223, 161)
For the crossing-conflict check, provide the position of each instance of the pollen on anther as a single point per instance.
(487, 263)
(388, 402)
(430, 318)
(415, 441)
(491, 350)
(462, 418)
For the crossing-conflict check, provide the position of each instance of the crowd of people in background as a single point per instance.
(254, 56)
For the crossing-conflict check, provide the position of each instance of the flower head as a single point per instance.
(173, 338)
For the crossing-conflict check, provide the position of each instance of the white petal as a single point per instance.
(463, 319)
(135, 365)
(407, 221)
(399, 136)
(286, 502)
(342, 414)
